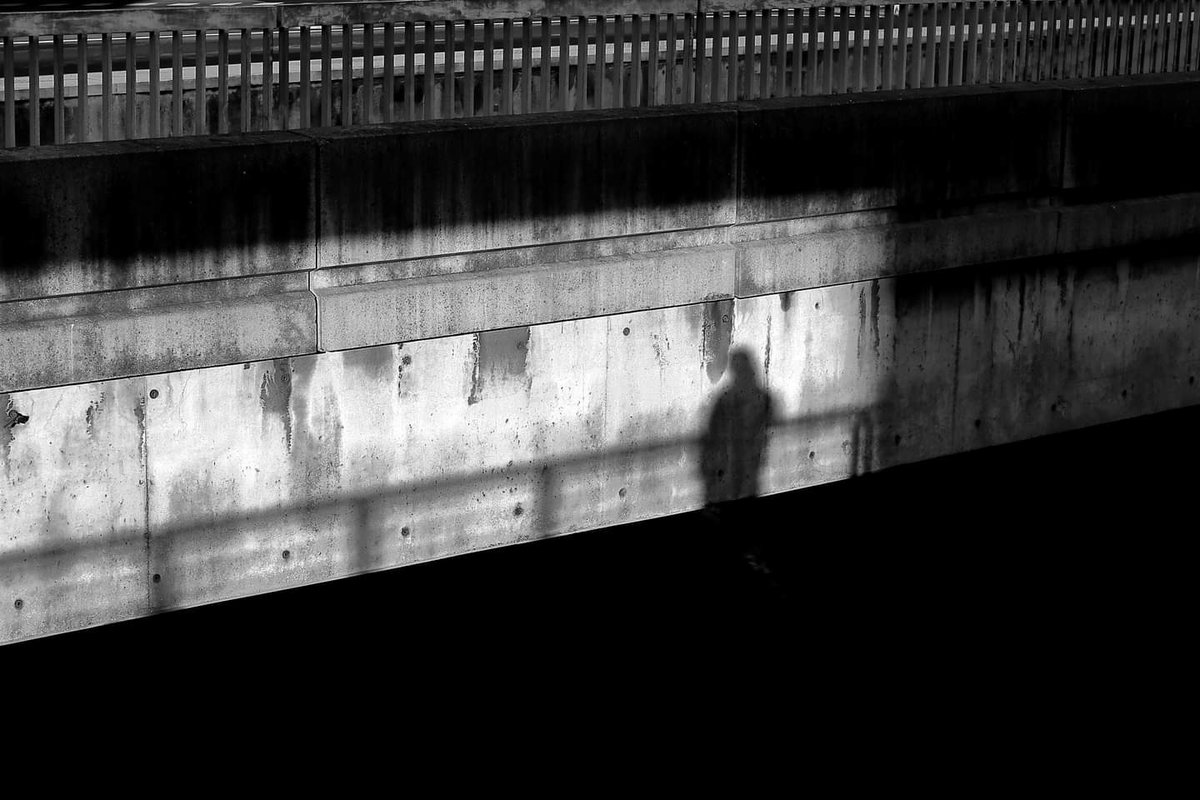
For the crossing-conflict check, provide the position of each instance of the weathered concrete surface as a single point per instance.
(420, 189)
(73, 506)
(88, 337)
(423, 308)
(372, 458)
(90, 217)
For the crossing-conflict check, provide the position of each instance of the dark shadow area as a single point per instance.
(1037, 569)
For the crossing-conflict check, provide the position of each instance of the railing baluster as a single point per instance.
(841, 79)
(701, 64)
(468, 103)
(916, 72)
(652, 62)
(429, 106)
(716, 54)
(201, 111)
(945, 39)
(448, 69)
(860, 49)
(581, 65)
(223, 81)
(827, 54)
(106, 87)
(489, 67)
(526, 65)
(1194, 31)
(60, 134)
(1061, 32)
(388, 96)
(176, 86)
(130, 85)
(689, 44)
(797, 84)
(10, 91)
(764, 55)
(35, 97)
(888, 56)
(564, 63)
(347, 53)
(285, 79)
(410, 70)
(902, 47)
(82, 78)
(969, 72)
(245, 85)
(601, 61)
(669, 77)
(635, 56)
(1171, 31)
(306, 77)
(368, 72)
(267, 120)
(731, 70)
(1162, 39)
(326, 76)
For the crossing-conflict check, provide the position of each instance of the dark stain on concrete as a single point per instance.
(12, 418)
(92, 414)
(404, 362)
(862, 321)
(785, 301)
(275, 394)
(767, 355)
(501, 360)
(1021, 306)
(875, 316)
(715, 335)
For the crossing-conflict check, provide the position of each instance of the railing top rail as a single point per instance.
(290, 15)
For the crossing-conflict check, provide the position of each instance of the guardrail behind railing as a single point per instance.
(137, 73)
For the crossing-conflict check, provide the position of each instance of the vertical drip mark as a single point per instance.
(275, 395)
(139, 413)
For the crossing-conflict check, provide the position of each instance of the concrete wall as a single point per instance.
(490, 378)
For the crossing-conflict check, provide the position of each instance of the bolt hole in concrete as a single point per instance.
(817, 306)
(406, 360)
(404, 531)
(153, 393)
(157, 578)
(287, 554)
(18, 604)
(811, 455)
(626, 331)
(622, 492)
(518, 511)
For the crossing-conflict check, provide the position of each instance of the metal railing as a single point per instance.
(140, 73)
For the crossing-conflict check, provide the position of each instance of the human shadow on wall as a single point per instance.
(731, 457)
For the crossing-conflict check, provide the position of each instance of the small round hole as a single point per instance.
(1124, 393)
(978, 422)
(622, 492)
(724, 318)
(626, 331)
(897, 439)
(406, 360)
(153, 393)
(404, 531)
(1053, 407)
(287, 554)
(18, 604)
(518, 511)
(156, 578)
(817, 306)
(811, 455)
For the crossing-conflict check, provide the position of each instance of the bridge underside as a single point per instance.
(829, 288)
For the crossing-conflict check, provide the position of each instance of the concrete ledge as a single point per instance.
(879, 251)
(56, 341)
(434, 188)
(1131, 222)
(407, 310)
(89, 217)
